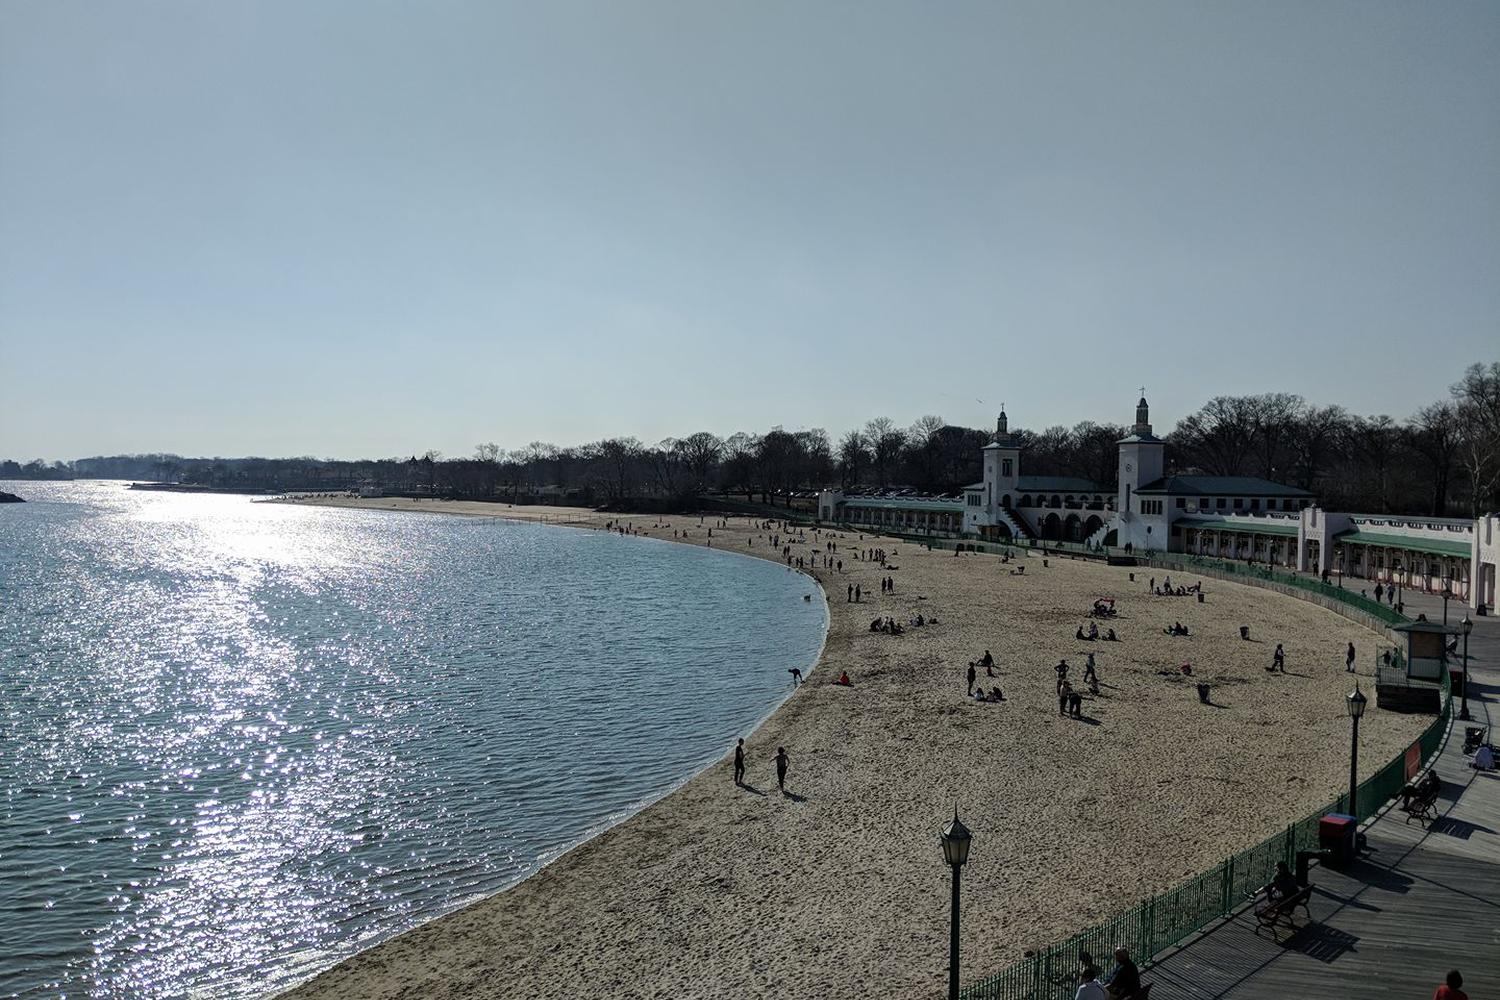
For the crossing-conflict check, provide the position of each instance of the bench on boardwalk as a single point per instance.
(1421, 806)
(1271, 913)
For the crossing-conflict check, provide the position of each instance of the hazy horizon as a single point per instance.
(362, 230)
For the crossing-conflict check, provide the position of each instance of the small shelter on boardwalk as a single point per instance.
(1411, 680)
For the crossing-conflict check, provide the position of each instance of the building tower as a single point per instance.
(1002, 468)
(1142, 459)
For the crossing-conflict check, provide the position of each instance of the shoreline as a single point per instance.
(891, 945)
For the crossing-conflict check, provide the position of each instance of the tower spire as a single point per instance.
(1142, 415)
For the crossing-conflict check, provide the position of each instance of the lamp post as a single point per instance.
(1447, 596)
(1468, 624)
(955, 838)
(1356, 701)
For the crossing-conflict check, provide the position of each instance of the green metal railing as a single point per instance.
(1169, 917)
(1230, 568)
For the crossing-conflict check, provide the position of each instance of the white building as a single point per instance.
(1235, 517)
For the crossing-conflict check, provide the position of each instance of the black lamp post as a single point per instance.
(1447, 596)
(955, 838)
(1356, 701)
(1463, 712)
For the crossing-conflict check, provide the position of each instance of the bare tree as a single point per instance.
(1434, 434)
(854, 455)
(1477, 396)
(700, 451)
(886, 443)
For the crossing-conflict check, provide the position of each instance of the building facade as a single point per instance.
(1232, 517)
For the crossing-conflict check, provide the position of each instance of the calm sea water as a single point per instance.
(239, 741)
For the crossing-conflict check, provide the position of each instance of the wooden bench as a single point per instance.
(1272, 912)
(1422, 806)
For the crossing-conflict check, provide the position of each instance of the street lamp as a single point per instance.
(1447, 596)
(955, 838)
(1468, 625)
(1356, 702)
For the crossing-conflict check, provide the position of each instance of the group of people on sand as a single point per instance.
(1092, 634)
(887, 625)
(979, 694)
(1167, 590)
(782, 761)
(1176, 628)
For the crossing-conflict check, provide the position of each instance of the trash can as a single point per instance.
(1200, 597)
(1336, 836)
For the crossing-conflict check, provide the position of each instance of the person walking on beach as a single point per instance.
(856, 593)
(1349, 659)
(971, 680)
(850, 593)
(1452, 988)
(739, 762)
(1278, 659)
(781, 762)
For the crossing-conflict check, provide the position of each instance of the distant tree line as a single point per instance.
(1442, 460)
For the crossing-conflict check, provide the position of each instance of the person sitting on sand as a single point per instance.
(1079, 634)
(1111, 637)
(875, 625)
(1187, 669)
(995, 694)
(1093, 631)
(843, 680)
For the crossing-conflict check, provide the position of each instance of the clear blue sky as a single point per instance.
(366, 228)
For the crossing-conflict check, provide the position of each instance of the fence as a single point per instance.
(1228, 568)
(1167, 918)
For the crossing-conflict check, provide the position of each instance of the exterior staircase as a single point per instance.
(1019, 530)
(1097, 538)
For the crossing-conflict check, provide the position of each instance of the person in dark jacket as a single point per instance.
(1124, 979)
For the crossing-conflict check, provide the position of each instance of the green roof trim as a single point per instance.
(1435, 546)
(1267, 527)
(1240, 486)
(896, 503)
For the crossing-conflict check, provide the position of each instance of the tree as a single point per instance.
(854, 456)
(1218, 438)
(885, 443)
(700, 452)
(1477, 396)
(1435, 434)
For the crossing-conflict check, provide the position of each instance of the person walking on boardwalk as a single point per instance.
(1349, 659)
(739, 762)
(971, 680)
(781, 762)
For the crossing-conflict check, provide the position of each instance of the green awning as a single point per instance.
(1435, 546)
(1244, 527)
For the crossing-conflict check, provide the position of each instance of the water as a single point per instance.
(239, 741)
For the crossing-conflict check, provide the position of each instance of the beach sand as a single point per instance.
(838, 889)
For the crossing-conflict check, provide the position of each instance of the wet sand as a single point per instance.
(837, 889)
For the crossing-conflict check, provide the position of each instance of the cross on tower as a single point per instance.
(1143, 390)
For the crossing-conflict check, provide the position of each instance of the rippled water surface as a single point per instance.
(241, 740)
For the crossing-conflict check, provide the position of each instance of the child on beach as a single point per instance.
(781, 763)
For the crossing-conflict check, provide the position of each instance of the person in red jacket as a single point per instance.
(1451, 988)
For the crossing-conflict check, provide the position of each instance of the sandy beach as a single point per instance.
(838, 889)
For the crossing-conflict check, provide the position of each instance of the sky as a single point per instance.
(354, 229)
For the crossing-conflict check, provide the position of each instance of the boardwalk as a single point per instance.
(1418, 903)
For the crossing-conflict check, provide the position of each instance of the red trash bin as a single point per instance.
(1336, 832)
